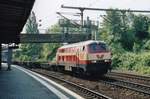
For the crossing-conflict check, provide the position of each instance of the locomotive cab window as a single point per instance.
(98, 47)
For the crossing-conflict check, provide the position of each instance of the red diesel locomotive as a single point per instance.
(88, 57)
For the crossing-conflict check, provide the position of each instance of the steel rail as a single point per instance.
(140, 88)
(133, 76)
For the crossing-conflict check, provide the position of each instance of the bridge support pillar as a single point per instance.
(9, 58)
(0, 56)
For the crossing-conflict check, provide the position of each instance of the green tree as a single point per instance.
(111, 23)
(31, 52)
(54, 29)
(48, 51)
(141, 26)
(113, 28)
(128, 36)
(32, 25)
(119, 27)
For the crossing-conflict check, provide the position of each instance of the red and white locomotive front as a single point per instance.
(99, 57)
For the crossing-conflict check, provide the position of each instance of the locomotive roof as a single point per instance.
(82, 43)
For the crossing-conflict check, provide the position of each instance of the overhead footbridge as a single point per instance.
(53, 38)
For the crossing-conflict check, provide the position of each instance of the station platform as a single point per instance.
(20, 83)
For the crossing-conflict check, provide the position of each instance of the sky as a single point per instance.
(45, 10)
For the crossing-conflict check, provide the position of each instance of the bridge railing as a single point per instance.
(53, 38)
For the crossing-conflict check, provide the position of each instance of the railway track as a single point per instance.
(90, 94)
(140, 88)
(131, 76)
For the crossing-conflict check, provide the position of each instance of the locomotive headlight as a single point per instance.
(106, 60)
(93, 61)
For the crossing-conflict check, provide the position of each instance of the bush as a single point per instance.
(147, 45)
(136, 47)
(116, 61)
(130, 61)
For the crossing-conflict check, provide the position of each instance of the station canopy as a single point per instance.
(13, 16)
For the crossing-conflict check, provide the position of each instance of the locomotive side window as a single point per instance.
(83, 48)
(59, 58)
(97, 47)
(62, 58)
